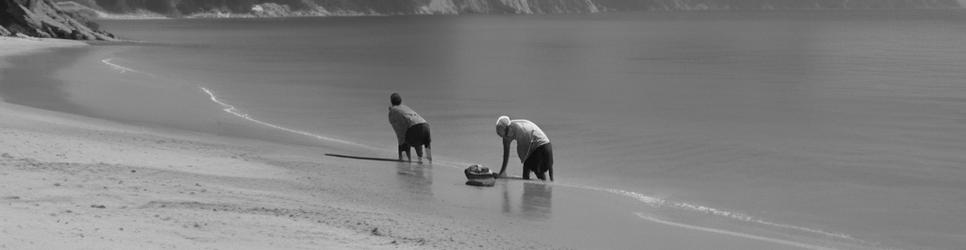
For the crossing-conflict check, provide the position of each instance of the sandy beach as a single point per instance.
(71, 182)
(99, 150)
(75, 182)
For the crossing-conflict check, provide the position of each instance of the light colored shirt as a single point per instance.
(401, 117)
(528, 137)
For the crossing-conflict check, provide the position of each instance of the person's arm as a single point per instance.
(506, 155)
(394, 123)
(393, 126)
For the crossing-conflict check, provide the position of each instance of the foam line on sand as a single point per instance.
(730, 233)
(231, 109)
(228, 108)
(656, 202)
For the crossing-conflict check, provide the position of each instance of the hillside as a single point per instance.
(215, 8)
(41, 18)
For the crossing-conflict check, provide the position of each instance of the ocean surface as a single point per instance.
(811, 129)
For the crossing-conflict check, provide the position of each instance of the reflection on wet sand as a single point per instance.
(415, 178)
(535, 202)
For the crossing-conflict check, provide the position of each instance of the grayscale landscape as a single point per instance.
(685, 124)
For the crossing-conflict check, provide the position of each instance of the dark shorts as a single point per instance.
(540, 161)
(418, 135)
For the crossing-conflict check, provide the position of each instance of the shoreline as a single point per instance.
(30, 80)
(73, 181)
(16, 46)
(70, 181)
(112, 185)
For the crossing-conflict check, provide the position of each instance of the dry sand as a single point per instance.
(72, 182)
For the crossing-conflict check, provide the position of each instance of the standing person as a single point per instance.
(533, 146)
(411, 129)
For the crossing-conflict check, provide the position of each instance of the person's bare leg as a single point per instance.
(551, 172)
(409, 157)
(419, 152)
(429, 153)
(550, 160)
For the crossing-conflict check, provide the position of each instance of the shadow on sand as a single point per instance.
(365, 158)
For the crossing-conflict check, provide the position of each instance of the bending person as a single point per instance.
(533, 146)
(411, 129)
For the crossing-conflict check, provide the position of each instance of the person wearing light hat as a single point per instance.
(411, 129)
(533, 146)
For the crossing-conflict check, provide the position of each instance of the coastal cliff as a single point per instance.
(41, 18)
(253, 8)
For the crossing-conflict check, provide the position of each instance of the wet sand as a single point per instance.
(69, 181)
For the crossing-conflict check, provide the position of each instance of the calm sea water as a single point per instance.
(833, 123)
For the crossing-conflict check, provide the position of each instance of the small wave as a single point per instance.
(662, 203)
(231, 109)
(234, 111)
(123, 69)
(730, 233)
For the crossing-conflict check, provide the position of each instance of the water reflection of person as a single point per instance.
(417, 179)
(535, 202)
(536, 199)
